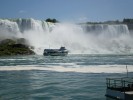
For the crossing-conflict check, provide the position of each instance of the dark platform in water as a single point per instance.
(119, 88)
(55, 52)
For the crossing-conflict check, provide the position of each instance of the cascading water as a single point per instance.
(87, 38)
(110, 30)
(8, 29)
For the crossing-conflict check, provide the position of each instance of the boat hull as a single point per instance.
(55, 54)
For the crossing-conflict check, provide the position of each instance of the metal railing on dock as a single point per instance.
(120, 84)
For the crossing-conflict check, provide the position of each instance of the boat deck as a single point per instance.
(120, 84)
(119, 88)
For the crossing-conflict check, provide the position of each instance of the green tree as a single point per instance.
(52, 20)
(127, 20)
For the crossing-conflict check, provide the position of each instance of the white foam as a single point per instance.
(83, 69)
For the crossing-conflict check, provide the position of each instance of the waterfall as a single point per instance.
(86, 38)
(31, 24)
(112, 30)
(8, 29)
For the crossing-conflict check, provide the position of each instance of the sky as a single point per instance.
(68, 10)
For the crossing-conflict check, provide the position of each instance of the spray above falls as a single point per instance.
(77, 38)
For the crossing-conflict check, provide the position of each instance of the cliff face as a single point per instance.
(10, 47)
(130, 26)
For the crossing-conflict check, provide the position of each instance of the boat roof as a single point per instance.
(51, 49)
(61, 48)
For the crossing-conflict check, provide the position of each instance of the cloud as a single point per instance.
(22, 11)
(82, 19)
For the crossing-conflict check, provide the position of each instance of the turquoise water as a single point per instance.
(74, 77)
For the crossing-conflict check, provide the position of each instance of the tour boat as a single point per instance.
(55, 52)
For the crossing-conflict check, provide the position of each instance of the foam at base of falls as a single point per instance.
(83, 69)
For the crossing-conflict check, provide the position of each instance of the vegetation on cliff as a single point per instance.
(11, 47)
(52, 20)
(129, 21)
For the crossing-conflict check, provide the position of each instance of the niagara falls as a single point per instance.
(66, 50)
(78, 38)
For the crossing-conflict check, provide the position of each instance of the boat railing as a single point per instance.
(120, 84)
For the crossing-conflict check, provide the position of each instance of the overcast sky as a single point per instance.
(67, 10)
